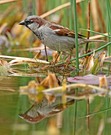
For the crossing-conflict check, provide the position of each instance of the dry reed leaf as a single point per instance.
(101, 127)
(96, 67)
(33, 91)
(29, 89)
(3, 62)
(34, 88)
(53, 81)
(56, 57)
(64, 84)
(52, 127)
(98, 63)
(50, 81)
(23, 90)
(87, 79)
(32, 85)
(22, 60)
(38, 55)
(89, 62)
(102, 58)
(58, 8)
(6, 89)
(98, 36)
(64, 99)
(45, 82)
(4, 67)
(103, 83)
(95, 15)
(59, 120)
(7, 1)
(40, 4)
(102, 20)
(50, 98)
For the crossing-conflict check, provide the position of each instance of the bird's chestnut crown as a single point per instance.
(36, 20)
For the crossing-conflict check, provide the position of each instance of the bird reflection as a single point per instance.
(49, 105)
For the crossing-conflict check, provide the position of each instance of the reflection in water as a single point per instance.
(12, 103)
(45, 104)
(8, 84)
(44, 109)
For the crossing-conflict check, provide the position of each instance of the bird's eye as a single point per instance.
(28, 22)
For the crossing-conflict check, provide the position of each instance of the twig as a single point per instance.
(88, 25)
(58, 8)
(98, 36)
(78, 85)
(22, 60)
(46, 52)
(88, 35)
(7, 1)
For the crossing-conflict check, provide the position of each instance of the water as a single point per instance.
(12, 104)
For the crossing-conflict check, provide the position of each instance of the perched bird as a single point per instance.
(52, 35)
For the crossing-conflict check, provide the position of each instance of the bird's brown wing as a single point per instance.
(63, 31)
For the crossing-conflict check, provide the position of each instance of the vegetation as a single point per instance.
(77, 90)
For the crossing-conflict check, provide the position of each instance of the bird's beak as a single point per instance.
(22, 23)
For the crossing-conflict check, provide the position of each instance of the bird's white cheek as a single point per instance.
(33, 26)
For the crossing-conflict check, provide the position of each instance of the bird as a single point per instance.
(52, 35)
(39, 111)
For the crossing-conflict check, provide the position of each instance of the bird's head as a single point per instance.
(33, 22)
